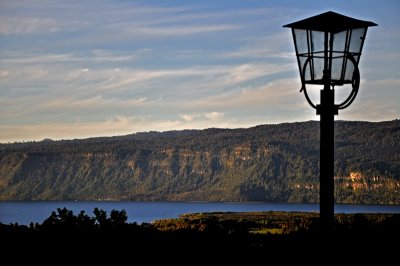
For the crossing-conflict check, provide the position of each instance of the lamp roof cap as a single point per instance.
(330, 22)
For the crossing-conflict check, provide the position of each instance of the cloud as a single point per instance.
(214, 116)
(187, 117)
(27, 25)
(112, 126)
(95, 56)
(104, 22)
(376, 101)
(60, 90)
(109, 56)
(277, 93)
(272, 46)
(209, 116)
(4, 73)
(181, 30)
(78, 129)
(23, 74)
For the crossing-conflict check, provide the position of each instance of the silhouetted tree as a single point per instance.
(100, 217)
(118, 217)
(84, 221)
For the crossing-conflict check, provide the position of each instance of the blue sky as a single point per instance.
(77, 69)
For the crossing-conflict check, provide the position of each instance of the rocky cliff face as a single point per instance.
(264, 163)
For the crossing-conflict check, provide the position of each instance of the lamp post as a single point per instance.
(328, 49)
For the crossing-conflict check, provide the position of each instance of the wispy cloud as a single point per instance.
(187, 117)
(24, 25)
(270, 46)
(181, 30)
(116, 125)
(94, 56)
(86, 85)
(214, 116)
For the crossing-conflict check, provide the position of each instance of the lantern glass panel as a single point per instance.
(317, 44)
(357, 37)
(307, 74)
(318, 67)
(339, 41)
(348, 77)
(337, 64)
(301, 41)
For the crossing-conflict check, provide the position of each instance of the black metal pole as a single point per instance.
(327, 110)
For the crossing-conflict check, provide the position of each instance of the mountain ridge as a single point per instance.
(278, 162)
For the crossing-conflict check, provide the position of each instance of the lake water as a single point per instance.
(38, 211)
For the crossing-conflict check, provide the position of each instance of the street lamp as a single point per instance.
(328, 49)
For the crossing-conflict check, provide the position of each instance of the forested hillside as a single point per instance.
(263, 163)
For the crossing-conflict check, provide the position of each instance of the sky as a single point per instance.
(79, 69)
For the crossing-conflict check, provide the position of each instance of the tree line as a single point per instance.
(263, 163)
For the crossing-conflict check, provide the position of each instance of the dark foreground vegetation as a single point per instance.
(201, 238)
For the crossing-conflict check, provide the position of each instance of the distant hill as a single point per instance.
(263, 163)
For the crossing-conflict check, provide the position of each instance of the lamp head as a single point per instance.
(328, 44)
(328, 49)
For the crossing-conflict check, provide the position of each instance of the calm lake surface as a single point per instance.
(38, 211)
